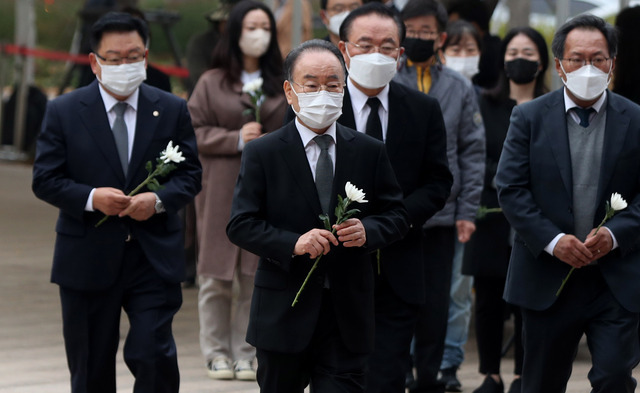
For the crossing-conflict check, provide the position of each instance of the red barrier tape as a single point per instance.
(11, 49)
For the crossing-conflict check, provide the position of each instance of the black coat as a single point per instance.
(275, 202)
(487, 252)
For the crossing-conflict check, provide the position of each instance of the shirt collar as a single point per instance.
(359, 99)
(307, 135)
(569, 104)
(109, 101)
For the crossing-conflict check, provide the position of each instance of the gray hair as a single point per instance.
(315, 45)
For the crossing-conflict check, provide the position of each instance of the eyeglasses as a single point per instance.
(385, 49)
(133, 58)
(313, 87)
(422, 34)
(596, 62)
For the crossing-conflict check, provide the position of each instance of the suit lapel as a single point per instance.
(296, 159)
(344, 153)
(397, 125)
(94, 118)
(616, 128)
(347, 118)
(555, 126)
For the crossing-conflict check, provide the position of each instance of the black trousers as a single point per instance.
(395, 325)
(91, 328)
(551, 338)
(431, 327)
(491, 311)
(327, 365)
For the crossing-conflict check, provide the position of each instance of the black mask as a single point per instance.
(521, 71)
(418, 50)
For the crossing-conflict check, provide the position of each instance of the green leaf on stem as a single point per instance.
(325, 220)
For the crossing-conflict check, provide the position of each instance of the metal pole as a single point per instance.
(624, 4)
(25, 36)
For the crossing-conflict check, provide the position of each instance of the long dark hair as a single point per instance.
(501, 91)
(227, 54)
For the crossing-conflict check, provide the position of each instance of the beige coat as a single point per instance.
(217, 116)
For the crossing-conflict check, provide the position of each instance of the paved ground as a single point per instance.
(31, 350)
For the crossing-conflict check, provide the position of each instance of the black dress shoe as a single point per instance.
(450, 380)
(516, 386)
(490, 386)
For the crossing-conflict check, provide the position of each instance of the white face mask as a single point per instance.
(335, 22)
(122, 79)
(467, 66)
(319, 110)
(255, 42)
(587, 82)
(372, 70)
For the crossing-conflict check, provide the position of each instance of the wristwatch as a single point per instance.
(159, 207)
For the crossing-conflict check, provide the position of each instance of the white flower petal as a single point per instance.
(171, 154)
(617, 202)
(354, 194)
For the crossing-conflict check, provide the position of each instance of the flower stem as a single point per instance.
(304, 283)
(132, 193)
(565, 281)
(573, 268)
(315, 265)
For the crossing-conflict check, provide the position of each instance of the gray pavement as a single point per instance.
(32, 356)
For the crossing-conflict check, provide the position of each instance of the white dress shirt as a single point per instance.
(312, 149)
(361, 110)
(130, 116)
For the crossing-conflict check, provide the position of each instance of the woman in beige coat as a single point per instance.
(224, 120)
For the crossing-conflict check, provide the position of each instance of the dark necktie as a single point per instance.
(121, 136)
(374, 127)
(324, 172)
(583, 114)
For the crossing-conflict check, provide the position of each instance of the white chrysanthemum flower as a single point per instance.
(354, 194)
(252, 86)
(617, 202)
(171, 154)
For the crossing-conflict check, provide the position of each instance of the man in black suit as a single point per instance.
(91, 152)
(411, 125)
(326, 337)
(565, 154)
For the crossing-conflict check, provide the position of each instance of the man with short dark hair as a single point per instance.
(449, 292)
(565, 155)
(287, 179)
(411, 126)
(332, 13)
(90, 155)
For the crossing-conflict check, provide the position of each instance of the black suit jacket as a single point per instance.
(535, 190)
(76, 152)
(416, 145)
(275, 202)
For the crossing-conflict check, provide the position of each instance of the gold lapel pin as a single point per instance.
(156, 113)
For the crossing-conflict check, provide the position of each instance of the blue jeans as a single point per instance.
(459, 312)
